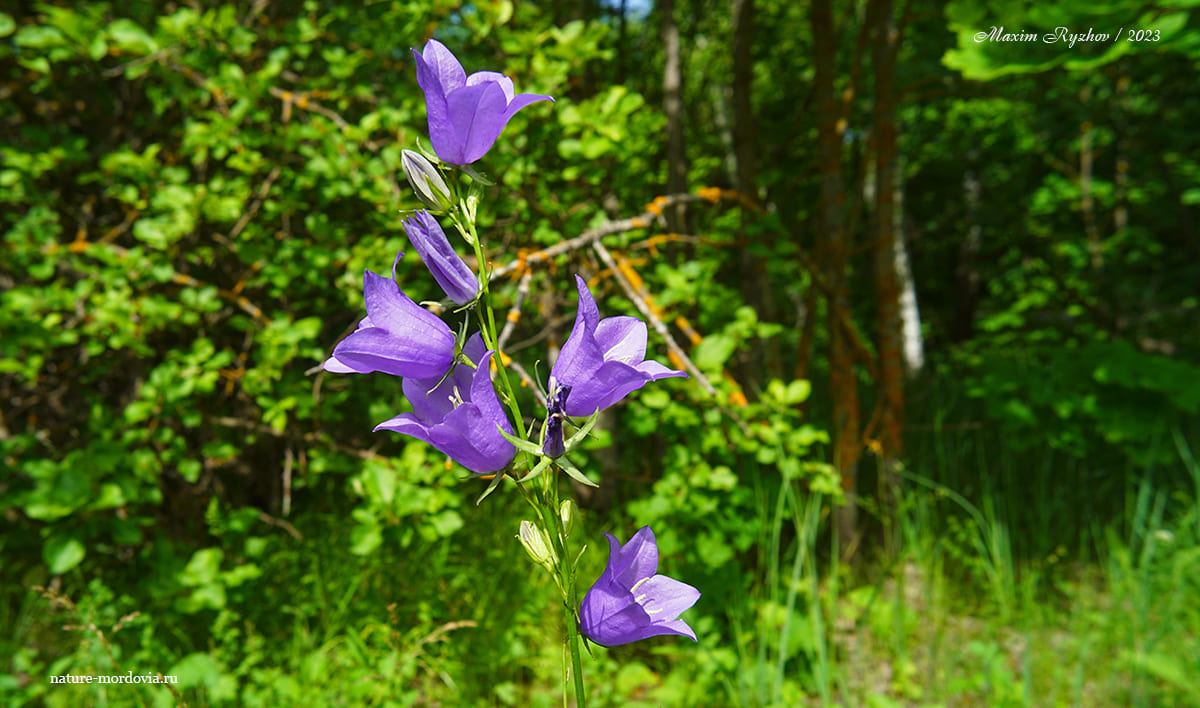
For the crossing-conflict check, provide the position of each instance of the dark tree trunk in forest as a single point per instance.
(673, 108)
(1087, 203)
(743, 112)
(887, 285)
(756, 286)
(1121, 155)
(622, 34)
(843, 385)
(966, 273)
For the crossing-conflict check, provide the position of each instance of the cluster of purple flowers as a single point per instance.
(448, 381)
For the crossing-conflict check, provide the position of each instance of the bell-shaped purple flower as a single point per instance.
(448, 269)
(603, 360)
(630, 601)
(397, 336)
(466, 113)
(460, 415)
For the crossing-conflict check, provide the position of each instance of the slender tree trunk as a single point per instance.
(622, 35)
(1087, 201)
(755, 278)
(744, 129)
(887, 284)
(910, 312)
(843, 385)
(966, 274)
(673, 108)
(1121, 169)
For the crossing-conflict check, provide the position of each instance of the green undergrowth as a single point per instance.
(973, 609)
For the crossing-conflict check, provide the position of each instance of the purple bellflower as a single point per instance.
(397, 336)
(466, 113)
(630, 601)
(448, 269)
(460, 415)
(603, 360)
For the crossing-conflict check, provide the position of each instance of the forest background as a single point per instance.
(937, 286)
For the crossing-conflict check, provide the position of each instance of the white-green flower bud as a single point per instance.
(471, 204)
(537, 545)
(426, 181)
(566, 511)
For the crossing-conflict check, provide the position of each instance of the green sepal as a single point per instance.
(583, 431)
(523, 445)
(477, 175)
(574, 473)
(491, 488)
(537, 470)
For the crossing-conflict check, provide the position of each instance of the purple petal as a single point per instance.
(520, 101)
(390, 309)
(666, 598)
(636, 560)
(375, 349)
(443, 65)
(494, 77)
(447, 268)
(659, 628)
(441, 128)
(477, 113)
(602, 387)
(474, 348)
(468, 432)
(332, 365)
(588, 312)
(611, 618)
(581, 356)
(629, 602)
(432, 404)
(455, 437)
(407, 424)
(466, 113)
(623, 338)
(655, 371)
(483, 395)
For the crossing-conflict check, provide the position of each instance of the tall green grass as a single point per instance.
(1002, 592)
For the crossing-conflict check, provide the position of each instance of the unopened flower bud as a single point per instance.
(537, 545)
(566, 511)
(426, 181)
(472, 204)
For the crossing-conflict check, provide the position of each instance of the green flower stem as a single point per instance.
(487, 326)
(546, 504)
(566, 570)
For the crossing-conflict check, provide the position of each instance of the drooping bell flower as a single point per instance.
(603, 360)
(459, 414)
(397, 336)
(466, 113)
(630, 601)
(448, 269)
